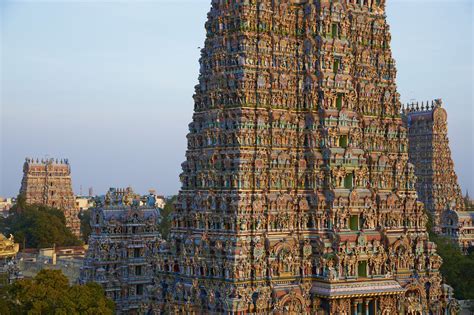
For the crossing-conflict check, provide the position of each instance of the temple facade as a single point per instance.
(297, 194)
(122, 246)
(48, 182)
(437, 182)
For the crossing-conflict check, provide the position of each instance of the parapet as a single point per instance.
(417, 107)
(46, 161)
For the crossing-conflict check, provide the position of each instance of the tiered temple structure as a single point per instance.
(437, 183)
(297, 195)
(48, 182)
(122, 246)
(9, 271)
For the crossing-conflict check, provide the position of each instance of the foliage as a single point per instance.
(50, 293)
(165, 224)
(457, 269)
(37, 226)
(86, 230)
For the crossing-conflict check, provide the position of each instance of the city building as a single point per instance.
(48, 182)
(6, 203)
(437, 182)
(84, 202)
(5, 206)
(160, 201)
(9, 271)
(122, 247)
(297, 194)
(68, 260)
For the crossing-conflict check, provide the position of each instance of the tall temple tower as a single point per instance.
(297, 196)
(122, 246)
(437, 183)
(48, 182)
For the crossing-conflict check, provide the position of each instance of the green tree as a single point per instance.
(50, 293)
(37, 226)
(86, 230)
(457, 269)
(165, 224)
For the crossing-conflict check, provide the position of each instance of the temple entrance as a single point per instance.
(366, 306)
(291, 303)
(293, 307)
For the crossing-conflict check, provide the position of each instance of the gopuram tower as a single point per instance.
(297, 196)
(437, 183)
(48, 182)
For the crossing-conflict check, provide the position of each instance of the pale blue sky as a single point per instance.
(109, 84)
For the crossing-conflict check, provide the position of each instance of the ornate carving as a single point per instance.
(297, 165)
(48, 182)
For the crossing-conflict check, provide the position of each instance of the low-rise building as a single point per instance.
(5, 205)
(84, 202)
(68, 259)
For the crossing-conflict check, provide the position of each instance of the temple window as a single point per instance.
(354, 223)
(362, 269)
(138, 270)
(136, 252)
(335, 30)
(339, 101)
(343, 141)
(337, 62)
(139, 289)
(349, 181)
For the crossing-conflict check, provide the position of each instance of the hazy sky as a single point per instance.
(109, 84)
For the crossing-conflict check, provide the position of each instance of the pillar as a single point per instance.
(366, 306)
(355, 308)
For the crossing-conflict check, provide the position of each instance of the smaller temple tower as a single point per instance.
(122, 247)
(437, 184)
(48, 182)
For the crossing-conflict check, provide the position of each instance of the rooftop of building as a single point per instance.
(421, 108)
(46, 161)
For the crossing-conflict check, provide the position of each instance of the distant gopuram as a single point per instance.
(48, 182)
(437, 183)
(297, 195)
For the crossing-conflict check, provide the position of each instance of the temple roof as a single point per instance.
(8, 248)
(357, 289)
